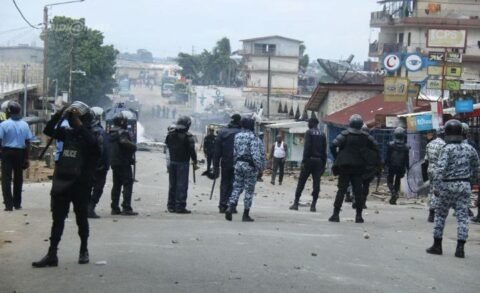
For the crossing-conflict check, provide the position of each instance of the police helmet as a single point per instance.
(248, 123)
(81, 107)
(453, 131)
(236, 118)
(4, 106)
(184, 122)
(465, 129)
(441, 132)
(98, 111)
(355, 121)
(313, 122)
(14, 110)
(399, 133)
(120, 120)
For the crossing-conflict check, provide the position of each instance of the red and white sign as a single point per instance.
(392, 62)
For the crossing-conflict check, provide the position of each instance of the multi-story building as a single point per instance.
(284, 56)
(404, 27)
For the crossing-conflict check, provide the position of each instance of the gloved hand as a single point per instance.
(26, 165)
(195, 165)
(216, 172)
(436, 193)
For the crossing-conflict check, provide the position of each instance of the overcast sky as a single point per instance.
(330, 29)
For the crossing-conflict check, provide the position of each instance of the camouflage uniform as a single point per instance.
(456, 165)
(249, 160)
(433, 152)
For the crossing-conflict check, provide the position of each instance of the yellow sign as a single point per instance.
(434, 84)
(455, 71)
(435, 70)
(411, 123)
(439, 38)
(452, 85)
(396, 89)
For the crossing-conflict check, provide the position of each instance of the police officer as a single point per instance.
(455, 171)
(72, 177)
(467, 139)
(103, 163)
(181, 146)
(224, 158)
(373, 163)
(313, 163)
(432, 152)
(350, 150)
(279, 156)
(397, 162)
(249, 161)
(209, 147)
(122, 150)
(15, 136)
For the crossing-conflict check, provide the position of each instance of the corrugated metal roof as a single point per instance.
(270, 37)
(288, 125)
(368, 109)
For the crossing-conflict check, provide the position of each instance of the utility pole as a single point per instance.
(269, 82)
(45, 57)
(25, 91)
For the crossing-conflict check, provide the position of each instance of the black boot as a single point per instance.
(228, 214)
(246, 217)
(294, 206)
(393, 199)
(313, 206)
(336, 216)
(436, 247)
(431, 216)
(348, 197)
(49, 260)
(460, 252)
(470, 213)
(358, 216)
(234, 210)
(83, 257)
(91, 212)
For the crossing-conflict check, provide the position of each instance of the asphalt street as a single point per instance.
(282, 251)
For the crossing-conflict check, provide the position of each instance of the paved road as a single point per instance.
(282, 251)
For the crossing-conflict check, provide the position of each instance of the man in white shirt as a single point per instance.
(279, 155)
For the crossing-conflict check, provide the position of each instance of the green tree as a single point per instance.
(304, 58)
(73, 46)
(213, 67)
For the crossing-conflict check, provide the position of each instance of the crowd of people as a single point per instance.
(236, 155)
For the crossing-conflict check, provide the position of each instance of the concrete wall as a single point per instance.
(260, 63)
(283, 47)
(338, 100)
(21, 55)
(279, 81)
(449, 8)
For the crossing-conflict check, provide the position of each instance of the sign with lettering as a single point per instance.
(453, 57)
(395, 89)
(423, 122)
(465, 106)
(435, 70)
(452, 85)
(392, 62)
(455, 71)
(434, 84)
(442, 38)
(414, 62)
(436, 56)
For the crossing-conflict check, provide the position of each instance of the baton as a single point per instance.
(194, 177)
(213, 187)
(50, 141)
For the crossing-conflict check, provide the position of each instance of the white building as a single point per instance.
(404, 26)
(284, 58)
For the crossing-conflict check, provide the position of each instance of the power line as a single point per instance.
(21, 14)
(13, 30)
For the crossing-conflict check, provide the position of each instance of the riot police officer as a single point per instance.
(224, 158)
(431, 157)
(453, 174)
(181, 146)
(313, 163)
(15, 136)
(249, 158)
(72, 177)
(103, 163)
(209, 147)
(122, 150)
(397, 162)
(350, 150)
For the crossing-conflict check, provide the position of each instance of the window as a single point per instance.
(409, 39)
(264, 49)
(400, 38)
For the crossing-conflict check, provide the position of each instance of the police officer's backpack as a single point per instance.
(68, 168)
